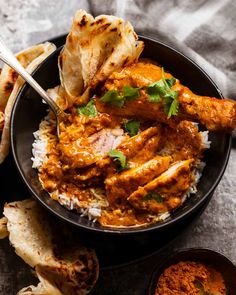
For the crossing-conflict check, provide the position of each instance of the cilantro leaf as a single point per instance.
(161, 90)
(112, 97)
(132, 127)
(174, 108)
(171, 104)
(167, 103)
(117, 99)
(156, 90)
(88, 110)
(154, 97)
(119, 158)
(153, 196)
(130, 92)
(170, 82)
(163, 79)
(153, 94)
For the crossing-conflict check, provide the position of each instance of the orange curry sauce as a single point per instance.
(160, 159)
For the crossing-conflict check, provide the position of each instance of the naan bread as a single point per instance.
(2, 119)
(43, 288)
(62, 264)
(10, 84)
(95, 47)
(58, 95)
(3, 228)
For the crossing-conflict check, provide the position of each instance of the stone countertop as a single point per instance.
(26, 22)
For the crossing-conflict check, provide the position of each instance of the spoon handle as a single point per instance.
(7, 57)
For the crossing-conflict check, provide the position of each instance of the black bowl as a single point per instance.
(28, 111)
(209, 257)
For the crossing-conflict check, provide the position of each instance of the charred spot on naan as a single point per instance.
(83, 21)
(9, 84)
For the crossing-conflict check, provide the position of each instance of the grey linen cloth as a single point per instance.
(203, 30)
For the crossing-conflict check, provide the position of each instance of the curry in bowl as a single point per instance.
(130, 151)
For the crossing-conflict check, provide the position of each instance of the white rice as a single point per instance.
(205, 142)
(93, 210)
(39, 147)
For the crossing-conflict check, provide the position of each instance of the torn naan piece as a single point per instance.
(95, 47)
(58, 95)
(43, 288)
(62, 264)
(3, 228)
(10, 85)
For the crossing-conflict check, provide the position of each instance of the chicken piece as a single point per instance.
(77, 155)
(88, 173)
(139, 108)
(120, 186)
(106, 140)
(86, 140)
(165, 192)
(84, 152)
(215, 114)
(137, 149)
(138, 74)
(81, 125)
(135, 144)
(148, 151)
(183, 142)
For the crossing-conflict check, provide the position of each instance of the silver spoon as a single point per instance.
(7, 57)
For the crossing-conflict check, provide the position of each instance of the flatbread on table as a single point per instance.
(62, 264)
(95, 47)
(43, 288)
(3, 228)
(10, 84)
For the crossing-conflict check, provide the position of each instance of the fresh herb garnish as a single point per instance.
(88, 110)
(156, 90)
(170, 81)
(162, 89)
(153, 95)
(118, 99)
(171, 104)
(132, 127)
(153, 196)
(119, 158)
(113, 97)
(130, 92)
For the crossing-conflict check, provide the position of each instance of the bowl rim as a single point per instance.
(195, 250)
(133, 230)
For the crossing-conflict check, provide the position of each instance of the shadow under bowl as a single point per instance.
(29, 110)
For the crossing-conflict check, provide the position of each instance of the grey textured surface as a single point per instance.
(208, 39)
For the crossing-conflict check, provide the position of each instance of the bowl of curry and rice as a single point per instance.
(139, 150)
